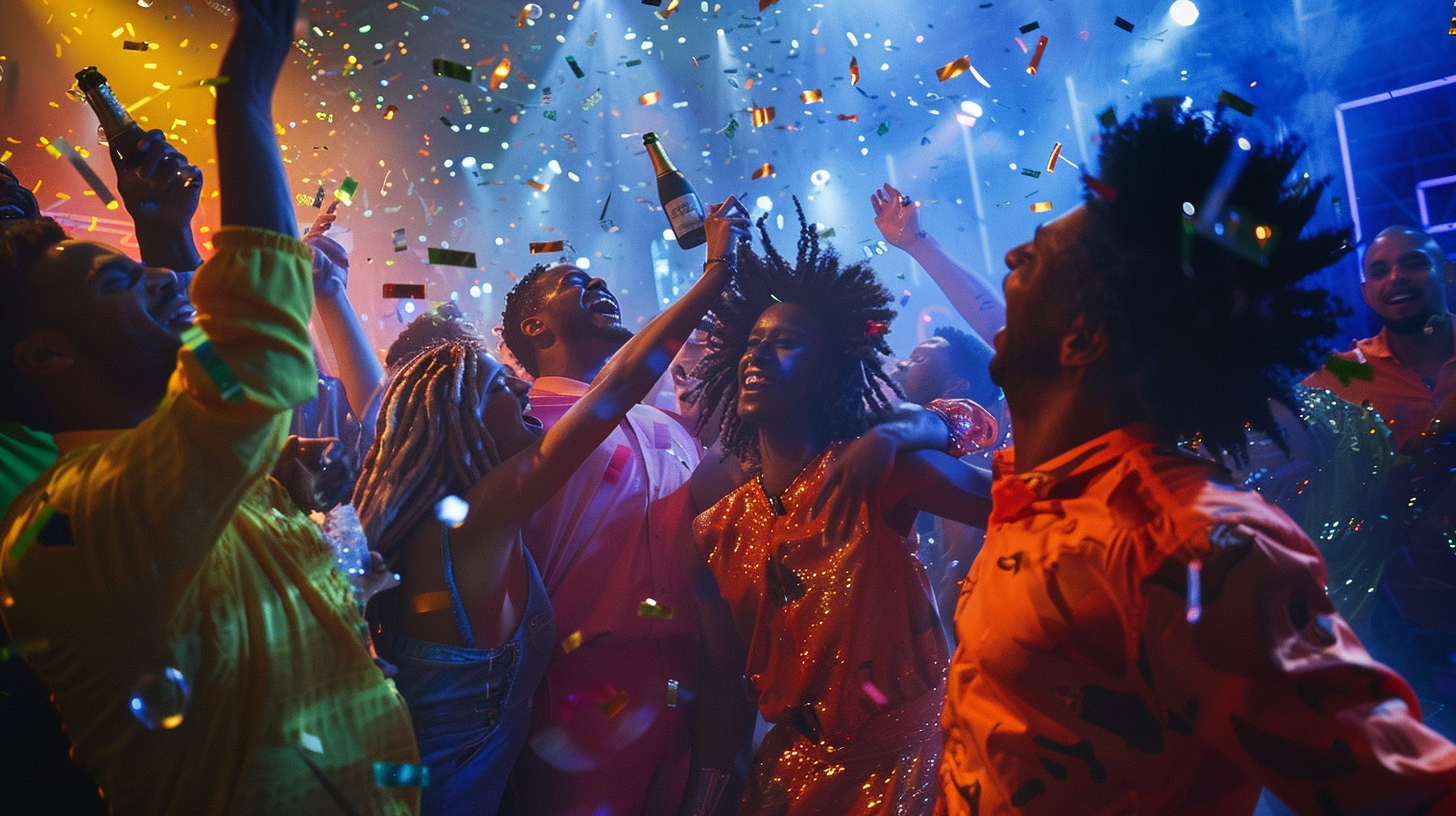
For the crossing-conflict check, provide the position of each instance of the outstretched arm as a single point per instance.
(974, 298)
(359, 367)
(249, 166)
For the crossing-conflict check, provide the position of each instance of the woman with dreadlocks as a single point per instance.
(843, 647)
(471, 628)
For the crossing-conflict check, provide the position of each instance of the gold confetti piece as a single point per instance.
(667, 12)
(854, 70)
(762, 116)
(1036, 57)
(542, 247)
(430, 602)
(571, 642)
(389, 112)
(616, 704)
(649, 98)
(951, 70)
(1052, 162)
(810, 97)
(128, 45)
(853, 117)
(1041, 207)
(523, 17)
(650, 608)
(536, 185)
(672, 694)
(766, 170)
(502, 70)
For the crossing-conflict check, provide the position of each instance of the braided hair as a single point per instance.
(429, 443)
(1215, 330)
(854, 311)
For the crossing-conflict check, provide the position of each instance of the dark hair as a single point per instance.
(440, 325)
(970, 360)
(1214, 324)
(22, 243)
(524, 300)
(852, 307)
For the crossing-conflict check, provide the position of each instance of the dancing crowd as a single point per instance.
(1213, 575)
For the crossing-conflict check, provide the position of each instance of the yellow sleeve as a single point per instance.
(151, 502)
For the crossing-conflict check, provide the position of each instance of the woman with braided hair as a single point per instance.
(471, 628)
(832, 610)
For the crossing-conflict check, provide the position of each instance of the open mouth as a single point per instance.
(754, 380)
(606, 305)
(182, 316)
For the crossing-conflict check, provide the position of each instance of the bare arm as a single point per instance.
(974, 298)
(359, 367)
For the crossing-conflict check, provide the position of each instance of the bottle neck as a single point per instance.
(660, 163)
(113, 117)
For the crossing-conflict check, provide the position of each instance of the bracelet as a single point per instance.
(727, 260)
(971, 426)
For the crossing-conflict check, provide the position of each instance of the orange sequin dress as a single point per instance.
(844, 650)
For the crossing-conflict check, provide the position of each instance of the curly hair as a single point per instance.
(854, 312)
(21, 244)
(524, 300)
(1216, 322)
(970, 359)
(429, 443)
(440, 325)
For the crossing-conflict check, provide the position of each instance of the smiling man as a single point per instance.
(612, 538)
(1412, 361)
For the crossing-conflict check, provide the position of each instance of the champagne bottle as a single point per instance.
(121, 132)
(684, 211)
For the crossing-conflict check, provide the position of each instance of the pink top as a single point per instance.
(617, 532)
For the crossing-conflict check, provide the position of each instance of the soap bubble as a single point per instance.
(159, 701)
(533, 11)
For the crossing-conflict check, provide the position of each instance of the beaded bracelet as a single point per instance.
(727, 260)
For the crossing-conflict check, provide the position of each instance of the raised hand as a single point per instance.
(261, 39)
(897, 216)
(330, 260)
(726, 224)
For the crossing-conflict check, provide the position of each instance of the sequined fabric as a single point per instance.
(844, 650)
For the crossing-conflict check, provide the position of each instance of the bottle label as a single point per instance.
(685, 213)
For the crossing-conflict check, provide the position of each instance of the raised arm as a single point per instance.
(522, 484)
(359, 367)
(249, 166)
(973, 297)
(160, 189)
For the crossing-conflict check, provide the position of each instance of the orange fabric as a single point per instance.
(1080, 686)
(844, 650)
(1397, 393)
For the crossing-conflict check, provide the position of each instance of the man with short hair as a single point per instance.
(951, 363)
(609, 731)
(1139, 635)
(1411, 363)
(202, 649)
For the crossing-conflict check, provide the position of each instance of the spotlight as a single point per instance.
(1183, 12)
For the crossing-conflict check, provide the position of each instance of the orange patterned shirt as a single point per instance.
(1088, 681)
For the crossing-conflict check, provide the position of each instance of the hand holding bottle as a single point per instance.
(726, 225)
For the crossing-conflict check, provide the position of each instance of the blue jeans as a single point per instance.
(471, 708)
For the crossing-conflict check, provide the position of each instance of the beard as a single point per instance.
(1411, 325)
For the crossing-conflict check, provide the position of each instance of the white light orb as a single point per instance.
(1183, 12)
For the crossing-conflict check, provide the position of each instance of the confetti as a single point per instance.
(1041, 207)
(401, 243)
(311, 742)
(570, 643)
(452, 70)
(650, 608)
(1036, 57)
(853, 117)
(672, 694)
(389, 112)
(762, 116)
(763, 4)
(1052, 162)
(1027, 171)
(764, 171)
(875, 328)
(1123, 24)
(523, 17)
(575, 69)
(1108, 117)
(1237, 103)
(128, 45)
(1030, 27)
(538, 186)
(810, 97)
(649, 98)
(1347, 370)
(464, 104)
(195, 340)
(951, 70)
(450, 510)
(883, 128)
(618, 701)
(731, 128)
(501, 72)
(546, 247)
(633, 63)
(1195, 591)
(876, 696)
(346, 190)
(450, 257)
(586, 104)
(853, 71)
(405, 291)
(401, 775)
